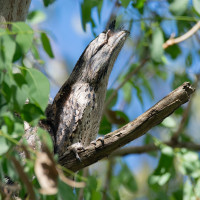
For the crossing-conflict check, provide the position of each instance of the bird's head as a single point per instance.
(96, 62)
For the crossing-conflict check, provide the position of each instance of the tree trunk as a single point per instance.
(13, 11)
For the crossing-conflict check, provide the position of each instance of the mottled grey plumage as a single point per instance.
(77, 108)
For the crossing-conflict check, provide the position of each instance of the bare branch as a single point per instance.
(130, 131)
(185, 115)
(173, 40)
(152, 147)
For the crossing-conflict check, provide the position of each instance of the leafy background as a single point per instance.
(51, 43)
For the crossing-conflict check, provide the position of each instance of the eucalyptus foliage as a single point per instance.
(177, 174)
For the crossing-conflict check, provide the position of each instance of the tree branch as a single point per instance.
(130, 131)
(184, 118)
(173, 40)
(152, 147)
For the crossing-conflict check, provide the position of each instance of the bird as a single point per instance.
(76, 111)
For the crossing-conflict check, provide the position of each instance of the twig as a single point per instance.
(173, 40)
(108, 178)
(81, 191)
(129, 76)
(152, 147)
(130, 131)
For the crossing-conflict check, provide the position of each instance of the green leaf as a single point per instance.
(19, 92)
(188, 60)
(3, 146)
(36, 17)
(86, 10)
(8, 46)
(174, 51)
(46, 44)
(189, 163)
(156, 47)
(91, 191)
(31, 113)
(196, 5)
(140, 3)
(122, 116)
(48, 2)
(139, 93)
(99, 7)
(125, 3)
(24, 36)
(147, 85)
(105, 126)
(162, 173)
(178, 7)
(38, 87)
(169, 122)
(178, 194)
(127, 90)
(65, 192)
(8, 120)
(35, 52)
(127, 178)
(188, 191)
(114, 100)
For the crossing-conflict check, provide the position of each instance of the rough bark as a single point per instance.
(13, 10)
(130, 131)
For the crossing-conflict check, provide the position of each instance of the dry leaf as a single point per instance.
(46, 172)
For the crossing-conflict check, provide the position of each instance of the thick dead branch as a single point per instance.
(186, 112)
(130, 131)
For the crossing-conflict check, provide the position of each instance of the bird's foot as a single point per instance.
(75, 147)
(101, 139)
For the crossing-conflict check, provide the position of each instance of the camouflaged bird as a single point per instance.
(77, 108)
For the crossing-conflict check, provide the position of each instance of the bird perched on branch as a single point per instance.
(77, 108)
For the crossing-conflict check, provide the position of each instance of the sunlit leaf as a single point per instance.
(3, 145)
(8, 46)
(24, 36)
(169, 122)
(178, 7)
(36, 17)
(156, 47)
(127, 91)
(196, 5)
(38, 86)
(162, 173)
